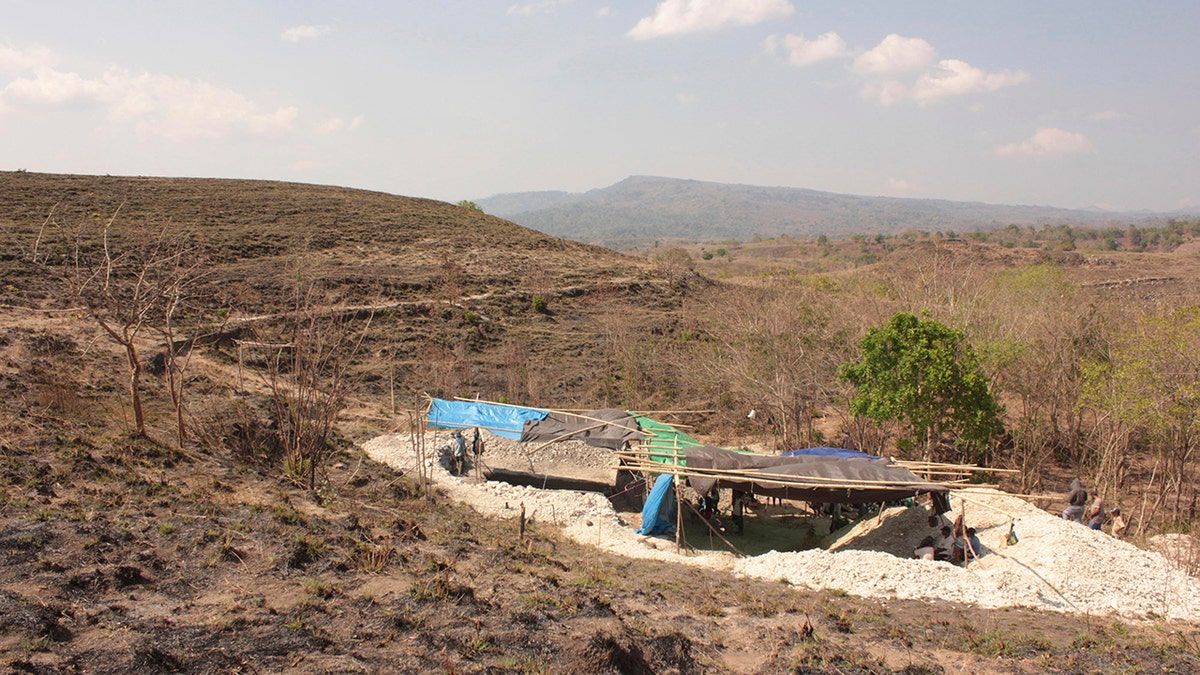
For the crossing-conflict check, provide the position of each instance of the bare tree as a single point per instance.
(124, 278)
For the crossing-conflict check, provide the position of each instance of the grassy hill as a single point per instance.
(123, 552)
(642, 209)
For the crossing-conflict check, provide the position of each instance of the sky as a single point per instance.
(1071, 103)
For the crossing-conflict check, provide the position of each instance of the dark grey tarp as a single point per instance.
(852, 480)
(605, 428)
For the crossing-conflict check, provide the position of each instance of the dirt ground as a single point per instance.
(137, 558)
(124, 553)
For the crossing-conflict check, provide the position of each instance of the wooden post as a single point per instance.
(678, 503)
(967, 552)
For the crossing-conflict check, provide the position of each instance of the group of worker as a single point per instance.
(741, 500)
(458, 451)
(955, 544)
(1087, 507)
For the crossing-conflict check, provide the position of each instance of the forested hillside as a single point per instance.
(642, 209)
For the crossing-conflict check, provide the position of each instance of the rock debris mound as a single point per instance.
(1055, 564)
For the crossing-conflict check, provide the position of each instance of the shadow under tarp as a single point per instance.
(810, 478)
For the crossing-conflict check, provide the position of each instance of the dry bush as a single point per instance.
(774, 348)
(308, 375)
(237, 428)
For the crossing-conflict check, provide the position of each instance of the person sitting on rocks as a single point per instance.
(925, 550)
(976, 545)
(968, 548)
(944, 545)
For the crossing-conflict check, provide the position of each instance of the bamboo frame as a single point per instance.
(640, 460)
(785, 480)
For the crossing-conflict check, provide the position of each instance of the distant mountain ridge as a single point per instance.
(641, 209)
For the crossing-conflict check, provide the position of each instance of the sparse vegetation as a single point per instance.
(349, 567)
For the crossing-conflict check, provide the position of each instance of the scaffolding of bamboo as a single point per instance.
(637, 461)
(669, 451)
(951, 475)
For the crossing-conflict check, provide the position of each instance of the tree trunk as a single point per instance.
(135, 379)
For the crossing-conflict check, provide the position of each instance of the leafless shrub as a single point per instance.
(308, 377)
(235, 427)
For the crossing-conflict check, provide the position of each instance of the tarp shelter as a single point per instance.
(811, 478)
(664, 441)
(605, 428)
(502, 420)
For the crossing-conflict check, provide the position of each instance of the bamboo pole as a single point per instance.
(635, 412)
(716, 532)
(789, 478)
(799, 482)
(986, 506)
(966, 539)
(565, 436)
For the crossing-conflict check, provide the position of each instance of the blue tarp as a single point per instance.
(843, 453)
(502, 420)
(656, 514)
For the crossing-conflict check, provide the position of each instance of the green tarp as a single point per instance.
(663, 440)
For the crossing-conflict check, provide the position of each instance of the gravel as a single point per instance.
(1055, 565)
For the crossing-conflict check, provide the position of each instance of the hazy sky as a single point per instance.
(1073, 103)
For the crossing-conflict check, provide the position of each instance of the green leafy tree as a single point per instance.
(925, 375)
(468, 204)
(1149, 386)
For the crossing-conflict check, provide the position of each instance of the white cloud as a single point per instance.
(676, 17)
(15, 60)
(952, 77)
(891, 66)
(896, 54)
(298, 33)
(156, 106)
(49, 87)
(603, 11)
(1047, 142)
(1106, 116)
(802, 52)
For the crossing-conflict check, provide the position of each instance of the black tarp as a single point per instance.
(605, 428)
(870, 479)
